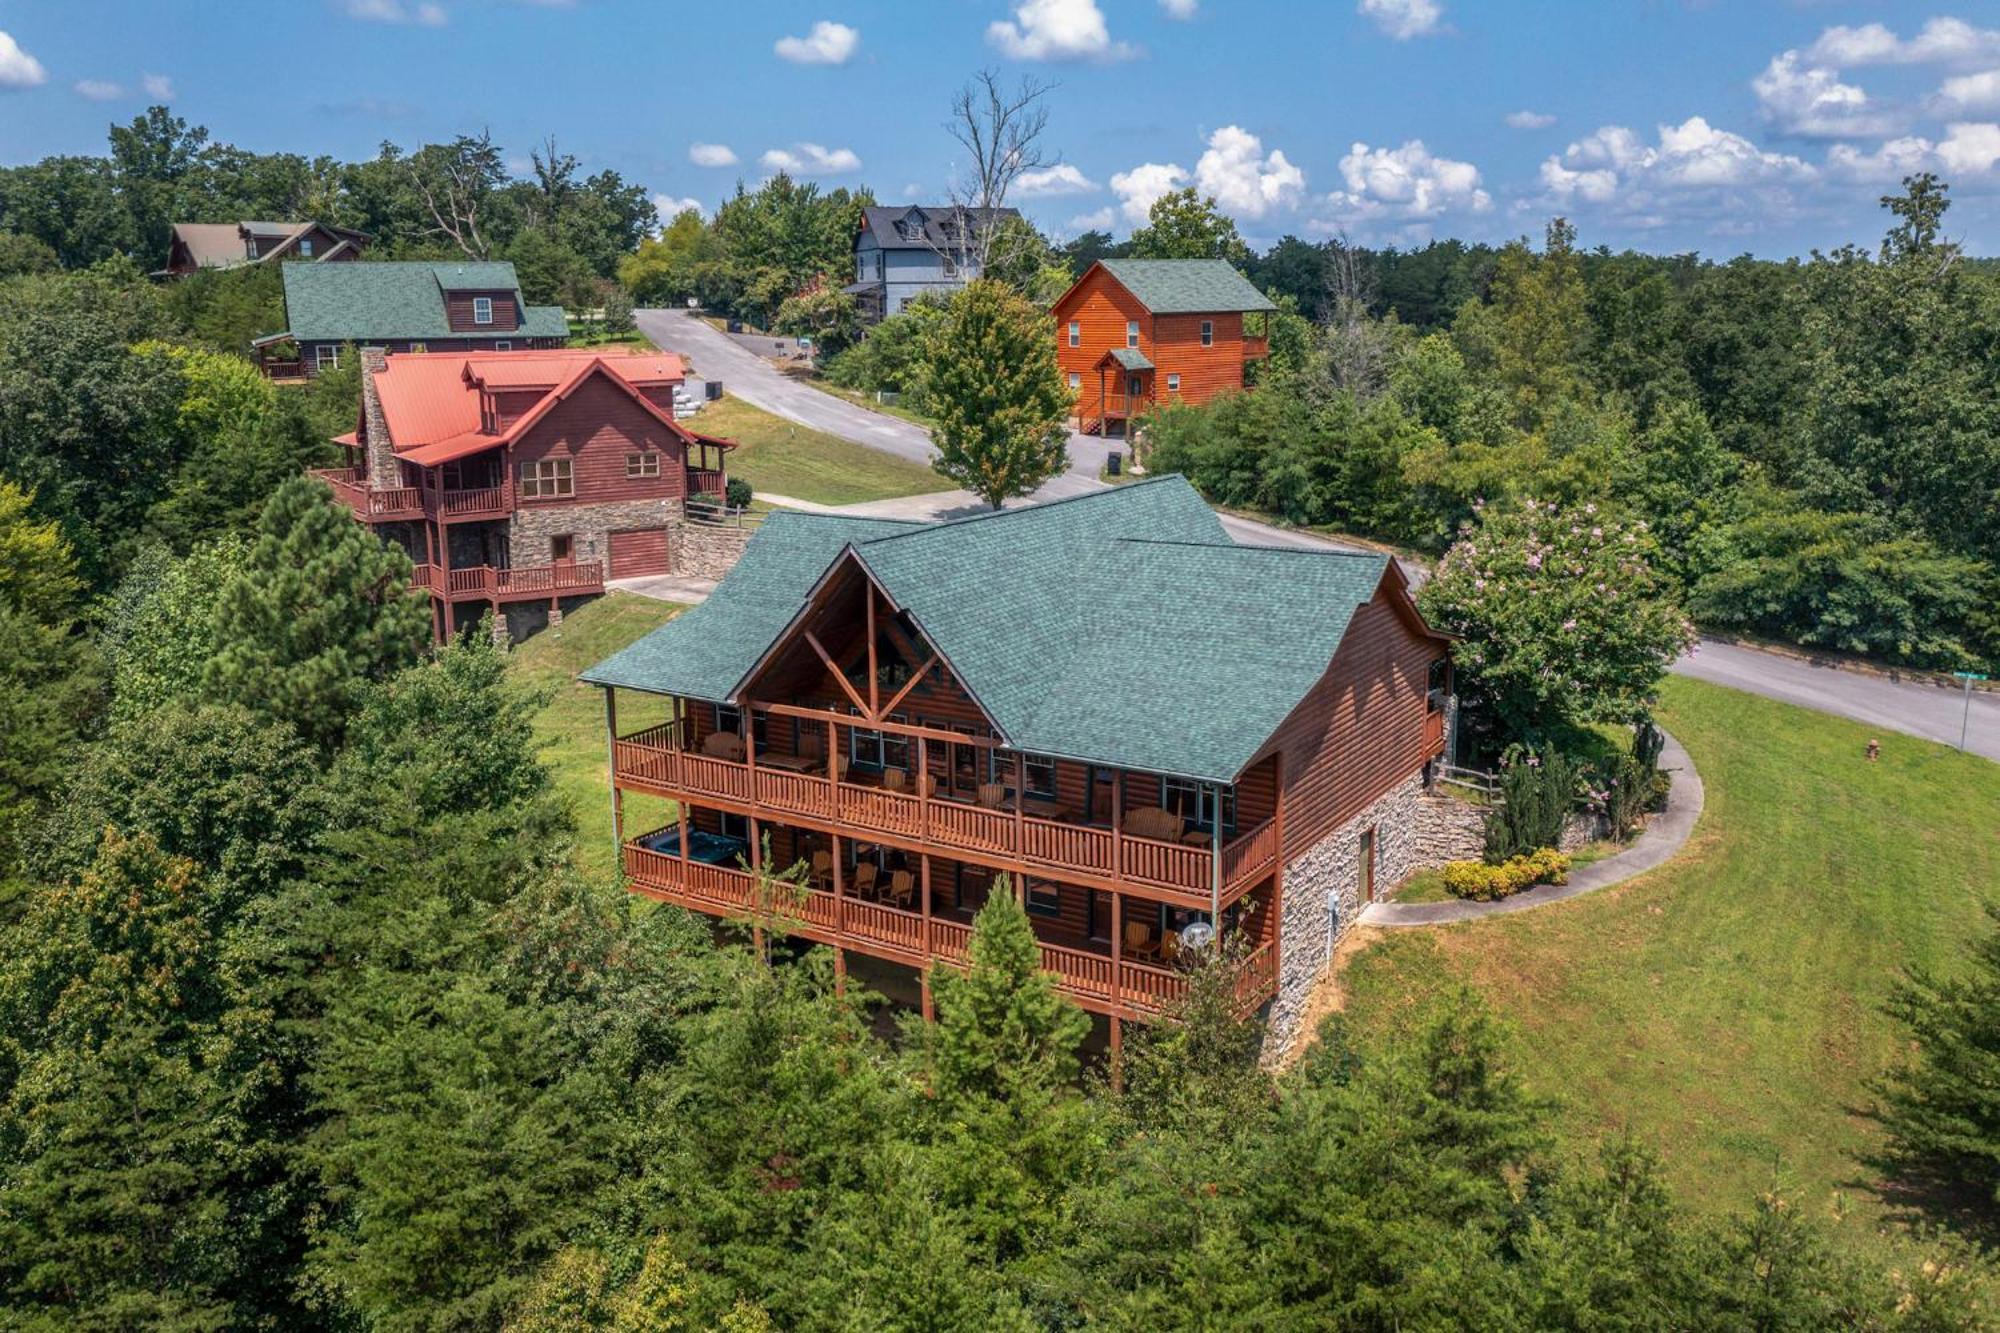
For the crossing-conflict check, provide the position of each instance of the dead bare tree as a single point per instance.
(455, 181)
(1359, 347)
(1001, 131)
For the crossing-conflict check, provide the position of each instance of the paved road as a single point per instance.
(1918, 709)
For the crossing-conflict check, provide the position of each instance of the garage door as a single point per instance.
(639, 551)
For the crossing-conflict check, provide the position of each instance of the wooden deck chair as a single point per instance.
(1139, 940)
(894, 779)
(902, 887)
(724, 745)
(864, 879)
(991, 795)
(927, 786)
(822, 869)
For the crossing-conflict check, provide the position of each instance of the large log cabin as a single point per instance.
(1133, 334)
(518, 482)
(403, 306)
(194, 246)
(1138, 722)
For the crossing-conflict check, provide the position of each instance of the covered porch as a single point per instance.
(1125, 389)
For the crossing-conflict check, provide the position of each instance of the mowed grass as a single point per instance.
(570, 724)
(774, 455)
(1727, 1006)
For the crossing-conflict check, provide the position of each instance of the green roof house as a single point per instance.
(402, 306)
(1147, 730)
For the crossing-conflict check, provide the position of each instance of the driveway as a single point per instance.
(1912, 706)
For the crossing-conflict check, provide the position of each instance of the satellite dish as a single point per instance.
(1197, 936)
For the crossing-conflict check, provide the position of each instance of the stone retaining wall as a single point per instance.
(707, 550)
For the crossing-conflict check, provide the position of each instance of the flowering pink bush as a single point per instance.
(1564, 619)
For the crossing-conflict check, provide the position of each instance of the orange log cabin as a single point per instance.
(520, 481)
(1138, 722)
(1133, 334)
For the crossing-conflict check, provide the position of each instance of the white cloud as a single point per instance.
(1941, 41)
(158, 87)
(711, 155)
(1138, 188)
(1180, 9)
(18, 69)
(1810, 100)
(1404, 19)
(1055, 30)
(668, 207)
(1968, 148)
(1971, 92)
(1408, 182)
(828, 43)
(811, 159)
(1062, 178)
(1244, 179)
(1101, 220)
(1689, 171)
(1529, 120)
(394, 11)
(99, 90)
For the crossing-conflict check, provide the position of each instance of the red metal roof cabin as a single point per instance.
(523, 477)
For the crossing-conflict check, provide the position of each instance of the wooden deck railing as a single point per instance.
(1091, 977)
(352, 490)
(648, 759)
(517, 584)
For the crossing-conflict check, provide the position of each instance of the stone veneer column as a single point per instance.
(383, 472)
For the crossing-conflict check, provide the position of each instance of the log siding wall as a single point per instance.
(595, 428)
(458, 309)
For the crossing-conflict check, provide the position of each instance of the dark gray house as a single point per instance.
(902, 253)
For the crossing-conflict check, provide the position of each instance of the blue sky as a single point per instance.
(1768, 126)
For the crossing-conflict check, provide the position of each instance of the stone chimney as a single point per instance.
(383, 472)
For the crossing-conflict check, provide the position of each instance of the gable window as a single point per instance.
(1076, 333)
(1194, 802)
(546, 478)
(643, 465)
(1131, 333)
(305, 247)
(327, 356)
(562, 548)
(1208, 333)
(482, 310)
(1173, 383)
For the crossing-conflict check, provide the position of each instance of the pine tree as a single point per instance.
(996, 395)
(1001, 1025)
(320, 608)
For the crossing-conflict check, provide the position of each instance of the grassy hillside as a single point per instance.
(1727, 1006)
(571, 722)
(774, 455)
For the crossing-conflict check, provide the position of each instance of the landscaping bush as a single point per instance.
(1536, 793)
(1632, 785)
(1485, 883)
(737, 494)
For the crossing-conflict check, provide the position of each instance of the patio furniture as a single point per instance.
(992, 795)
(1196, 837)
(793, 763)
(1153, 822)
(927, 786)
(1170, 947)
(822, 869)
(724, 745)
(894, 779)
(1139, 941)
(902, 887)
(864, 879)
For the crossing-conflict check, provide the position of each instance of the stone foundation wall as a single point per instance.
(1453, 830)
(1322, 895)
(706, 551)
(590, 524)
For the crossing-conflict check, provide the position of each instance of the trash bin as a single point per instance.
(736, 326)
(1114, 463)
(714, 390)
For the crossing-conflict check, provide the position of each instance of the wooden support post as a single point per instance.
(924, 868)
(756, 887)
(1215, 867)
(923, 797)
(617, 805)
(839, 919)
(1117, 1055)
(1020, 798)
(874, 684)
(1277, 905)
(681, 815)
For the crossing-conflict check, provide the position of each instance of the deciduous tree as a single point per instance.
(998, 401)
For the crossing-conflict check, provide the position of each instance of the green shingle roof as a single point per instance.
(379, 300)
(1122, 627)
(1130, 357)
(1187, 286)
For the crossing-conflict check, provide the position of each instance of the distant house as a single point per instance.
(518, 481)
(903, 253)
(1135, 333)
(198, 245)
(407, 306)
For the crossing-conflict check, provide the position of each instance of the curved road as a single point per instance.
(1918, 709)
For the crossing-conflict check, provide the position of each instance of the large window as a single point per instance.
(877, 749)
(1194, 802)
(327, 356)
(546, 479)
(1041, 772)
(643, 465)
(482, 310)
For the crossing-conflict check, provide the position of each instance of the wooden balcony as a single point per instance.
(1092, 977)
(1175, 872)
(522, 583)
(397, 503)
(1256, 349)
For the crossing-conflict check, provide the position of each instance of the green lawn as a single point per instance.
(579, 337)
(571, 724)
(863, 398)
(774, 455)
(1727, 1006)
